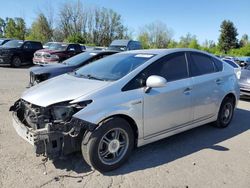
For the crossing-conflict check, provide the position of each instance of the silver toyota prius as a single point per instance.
(123, 101)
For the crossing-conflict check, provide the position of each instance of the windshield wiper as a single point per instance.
(89, 76)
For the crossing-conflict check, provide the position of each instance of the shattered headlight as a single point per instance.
(64, 112)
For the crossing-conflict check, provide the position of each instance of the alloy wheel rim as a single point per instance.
(113, 146)
(227, 113)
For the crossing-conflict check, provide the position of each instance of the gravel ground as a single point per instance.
(202, 157)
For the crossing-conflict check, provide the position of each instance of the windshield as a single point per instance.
(113, 67)
(1, 41)
(46, 45)
(117, 48)
(57, 46)
(13, 44)
(80, 58)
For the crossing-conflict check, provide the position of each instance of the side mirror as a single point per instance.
(155, 82)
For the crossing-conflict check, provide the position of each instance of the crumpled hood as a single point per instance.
(60, 89)
(49, 68)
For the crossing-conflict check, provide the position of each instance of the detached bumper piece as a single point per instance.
(54, 139)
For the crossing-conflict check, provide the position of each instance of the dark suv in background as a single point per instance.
(125, 45)
(18, 52)
(56, 52)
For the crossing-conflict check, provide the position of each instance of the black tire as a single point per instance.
(91, 150)
(224, 118)
(16, 62)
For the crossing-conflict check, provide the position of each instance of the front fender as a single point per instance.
(107, 107)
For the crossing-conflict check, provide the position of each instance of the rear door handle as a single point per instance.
(187, 91)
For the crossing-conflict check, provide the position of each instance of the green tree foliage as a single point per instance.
(188, 41)
(15, 28)
(40, 30)
(228, 36)
(144, 39)
(244, 40)
(155, 35)
(77, 38)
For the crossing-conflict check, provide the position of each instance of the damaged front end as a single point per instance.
(52, 130)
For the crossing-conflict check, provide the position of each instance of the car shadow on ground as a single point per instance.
(170, 149)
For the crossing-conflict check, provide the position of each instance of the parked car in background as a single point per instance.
(83, 47)
(4, 40)
(237, 68)
(125, 45)
(243, 61)
(129, 99)
(43, 72)
(18, 52)
(244, 81)
(47, 45)
(56, 53)
(100, 48)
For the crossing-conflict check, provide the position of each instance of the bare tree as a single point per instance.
(156, 35)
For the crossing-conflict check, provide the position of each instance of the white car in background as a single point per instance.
(237, 68)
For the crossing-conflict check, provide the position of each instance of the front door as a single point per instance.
(170, 107)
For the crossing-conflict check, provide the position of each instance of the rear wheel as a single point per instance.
(16, 62)
(110, 145)
(225, 113)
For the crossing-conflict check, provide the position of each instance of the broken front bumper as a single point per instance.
(27, 133)
(50, 141)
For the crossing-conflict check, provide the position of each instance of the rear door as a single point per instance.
(207, 82)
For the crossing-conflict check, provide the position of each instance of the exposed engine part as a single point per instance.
(50, 135)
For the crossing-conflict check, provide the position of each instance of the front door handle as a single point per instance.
(187, 91)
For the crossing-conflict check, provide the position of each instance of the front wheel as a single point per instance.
(110, 145)
(225, 113)
(16, 62)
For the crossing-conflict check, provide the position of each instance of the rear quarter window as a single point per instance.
(231, 63)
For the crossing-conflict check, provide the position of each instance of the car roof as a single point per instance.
(102, 51)
(165, 51)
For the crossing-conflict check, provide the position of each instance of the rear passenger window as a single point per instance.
(201, 64)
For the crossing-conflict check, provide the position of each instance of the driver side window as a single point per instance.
(172, 67)
(27, 45)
